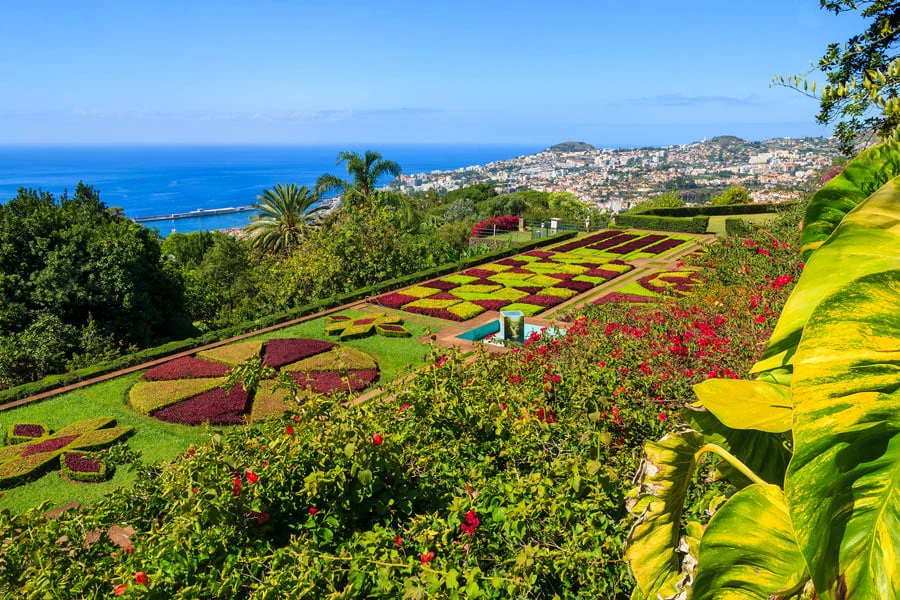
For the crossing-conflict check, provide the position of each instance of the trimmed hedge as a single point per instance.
(737, 226)
(148, 354)
(712, 211)
(696, 224)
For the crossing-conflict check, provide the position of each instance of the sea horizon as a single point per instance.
(153, 180)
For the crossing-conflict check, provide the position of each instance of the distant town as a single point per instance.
(613, 179)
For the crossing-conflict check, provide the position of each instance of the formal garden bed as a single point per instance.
(534, 281)
(502, 477)
(156, 441)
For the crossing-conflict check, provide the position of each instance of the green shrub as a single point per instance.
(696, 224)
(711, 211)
(737, 227)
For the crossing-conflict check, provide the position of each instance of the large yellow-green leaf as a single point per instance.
(743, 404)
(766, 454)
(749, 551)
(657, 503)
(843, 483)
(863, 175)
(866, 241)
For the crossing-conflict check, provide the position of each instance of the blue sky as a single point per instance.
(298, 72)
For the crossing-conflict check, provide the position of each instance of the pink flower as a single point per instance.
(663, 416)
(398, 541)
(377, 439)
(313, 510)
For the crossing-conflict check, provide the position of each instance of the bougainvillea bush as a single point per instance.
(503, 477)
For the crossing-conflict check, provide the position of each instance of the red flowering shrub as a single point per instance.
(186, 367)
(282, 352)
(495, 224)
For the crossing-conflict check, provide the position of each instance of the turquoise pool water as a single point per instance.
(493, 328)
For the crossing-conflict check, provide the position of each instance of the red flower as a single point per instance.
(191, 452)
(426, 557)
(236, 490)
(140, 578)
(262, 517)
(760, 319)
(252, 477)
(405, 406)
(398, 541)
(663, 416)
(289, 430)
(471, 524)
(313, 510)
(120, 589)
(377, 439)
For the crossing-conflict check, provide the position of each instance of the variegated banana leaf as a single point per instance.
(749, 550)
(843, 483)
(741, 404)
(862, 176)
(658, 501)
(766, 454)
(866, 241)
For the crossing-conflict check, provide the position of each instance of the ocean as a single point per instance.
(160, 180)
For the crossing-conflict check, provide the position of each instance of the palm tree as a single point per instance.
(364, 172)
(282, 222)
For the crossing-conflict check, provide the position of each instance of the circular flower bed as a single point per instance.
(190, 390)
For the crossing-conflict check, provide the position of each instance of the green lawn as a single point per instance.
(158, 441)
(155, 440)
(717, 223)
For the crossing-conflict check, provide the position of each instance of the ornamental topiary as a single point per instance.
(29, 459)
(77, 466)
(348, 328)
(196, 401)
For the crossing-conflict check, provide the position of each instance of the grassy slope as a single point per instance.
(158, 441)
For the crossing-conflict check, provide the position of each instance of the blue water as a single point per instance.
(156, 180)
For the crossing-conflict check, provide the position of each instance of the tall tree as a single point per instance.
(282, 222)
(862, 93)
(364, 171)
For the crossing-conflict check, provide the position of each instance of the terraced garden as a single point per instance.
(534, 281)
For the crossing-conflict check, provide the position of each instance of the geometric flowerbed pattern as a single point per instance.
(348, 328)
(615, 243)
(32, 449)
(531, 282)
(190, 390)
(654, 286)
